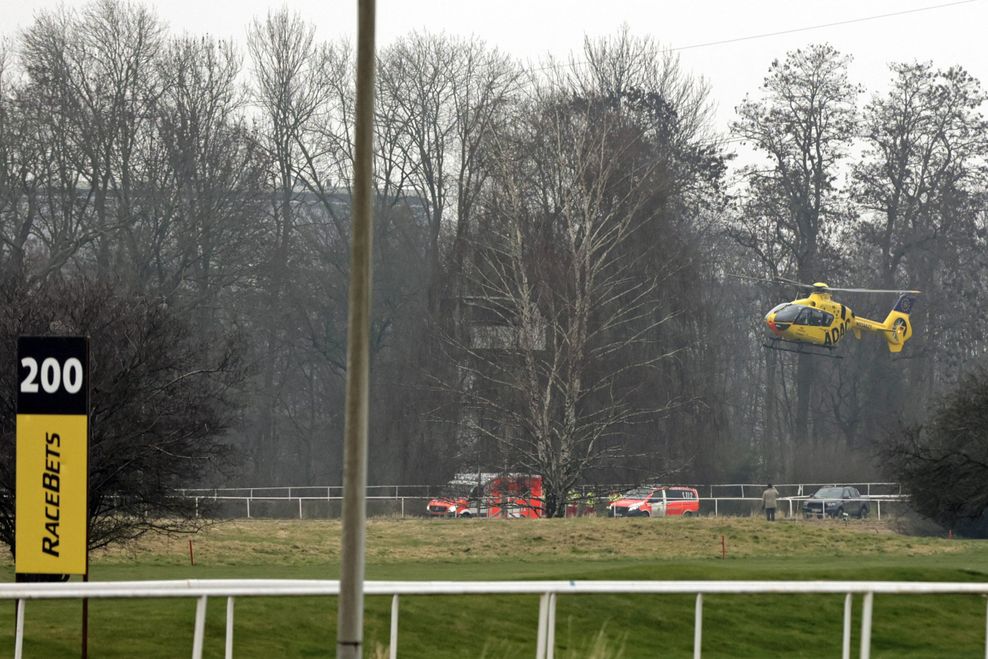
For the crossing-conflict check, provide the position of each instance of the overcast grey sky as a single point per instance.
(945, 32)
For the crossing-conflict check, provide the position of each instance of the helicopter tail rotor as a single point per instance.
(897, 326)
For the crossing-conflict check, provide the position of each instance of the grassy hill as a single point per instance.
(489, 626)
(590, 538)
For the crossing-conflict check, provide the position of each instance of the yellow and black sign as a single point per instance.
(52, 455)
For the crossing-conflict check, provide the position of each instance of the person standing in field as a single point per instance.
(770, 499)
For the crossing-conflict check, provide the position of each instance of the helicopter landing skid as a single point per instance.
(802, 349)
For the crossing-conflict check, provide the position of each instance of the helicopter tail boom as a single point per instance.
(897, 327)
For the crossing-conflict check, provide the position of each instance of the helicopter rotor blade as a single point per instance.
(770, 280)
(874, 290)
(773, 280)
(791, 282)
(747, 277)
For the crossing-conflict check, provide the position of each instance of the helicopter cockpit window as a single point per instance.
(787, 313)
(814, 318)
(804, 318)
(807, 316)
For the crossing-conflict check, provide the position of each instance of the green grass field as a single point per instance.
(504, 626)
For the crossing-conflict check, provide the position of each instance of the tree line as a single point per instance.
(552, 250)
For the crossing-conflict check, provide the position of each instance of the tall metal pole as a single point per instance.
(350, 632)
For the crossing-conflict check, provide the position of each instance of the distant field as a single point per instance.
(487, 626)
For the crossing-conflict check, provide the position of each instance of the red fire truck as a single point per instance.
(489, 495)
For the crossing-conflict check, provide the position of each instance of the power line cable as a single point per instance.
(766, 35)
(824, 25)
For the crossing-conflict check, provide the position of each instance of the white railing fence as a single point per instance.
(328, 507)
(711, 490)
(548, 592)
(867, 488)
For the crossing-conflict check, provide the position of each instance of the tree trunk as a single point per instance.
(805, 373)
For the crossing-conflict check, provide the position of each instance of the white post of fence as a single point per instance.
(698, 628)
(300, 507)
(289, 493)
(986, 634)
(248, 508)
(869, 600)
(394, 627)
(229, 628)
(550, 643)
(540, 640)
(715, 507)
(197, 507)
(19, 632)
(200, 631)
(790, 507)
(879, 509)
(846, 645)
(403, 507)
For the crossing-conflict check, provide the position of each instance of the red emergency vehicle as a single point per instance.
(656, 501)
(489, 495)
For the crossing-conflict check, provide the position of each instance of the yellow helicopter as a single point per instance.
(818, 320)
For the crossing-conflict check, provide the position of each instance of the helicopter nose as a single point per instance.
(770, 321)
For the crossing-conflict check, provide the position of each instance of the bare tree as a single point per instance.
(443, 96)
(920, 185)
(99, 67)
(924, 141)
(161, 403)
(804, 123)
(21, 160)
(288, 94)
(564, 314)
(59, 209)
(622, 62)
(207, 240)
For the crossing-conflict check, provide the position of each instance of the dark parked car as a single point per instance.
(835, 501)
